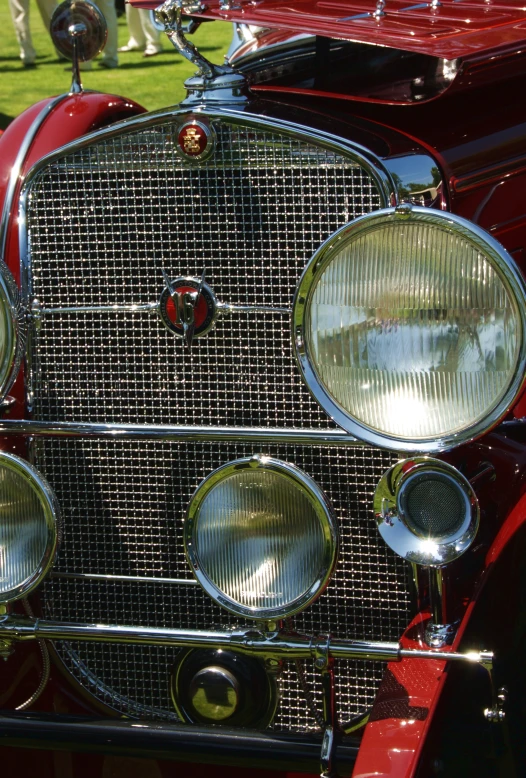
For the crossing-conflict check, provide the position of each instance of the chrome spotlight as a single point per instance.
(426, 511)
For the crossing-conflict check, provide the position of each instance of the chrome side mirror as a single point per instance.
(79, 32)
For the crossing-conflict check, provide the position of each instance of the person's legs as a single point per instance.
(109, 55)
(150, 32)
(20, 15)
(46, 8)
(136, 41)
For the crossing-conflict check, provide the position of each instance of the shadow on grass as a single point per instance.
(5, 120)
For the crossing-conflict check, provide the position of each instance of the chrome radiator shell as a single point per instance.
(102, 220)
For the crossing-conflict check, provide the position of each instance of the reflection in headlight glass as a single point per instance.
(412, 331)
(24, 531)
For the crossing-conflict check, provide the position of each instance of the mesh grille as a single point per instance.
(103, 222)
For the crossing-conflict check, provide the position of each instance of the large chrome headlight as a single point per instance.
(260, 538)
(410, 329)
(28, 528)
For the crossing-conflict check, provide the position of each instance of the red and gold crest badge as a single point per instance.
(195, 140)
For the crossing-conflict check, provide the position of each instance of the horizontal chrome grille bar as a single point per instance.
(307, 437)
(223, 309)
(296, 646)
(124, 578)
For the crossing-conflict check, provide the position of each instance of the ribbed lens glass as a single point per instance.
(24, 530)
(412, 330)
(261, 540)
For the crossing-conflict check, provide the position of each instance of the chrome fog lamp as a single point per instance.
(410, 329)
(28, 528)
(260, 538)
(426, 511)
(11, 330)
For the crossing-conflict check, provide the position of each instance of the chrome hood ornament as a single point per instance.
(212, 83)
(188, 307)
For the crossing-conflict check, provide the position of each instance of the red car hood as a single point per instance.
(456, 28)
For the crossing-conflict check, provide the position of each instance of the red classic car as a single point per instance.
(263, 451)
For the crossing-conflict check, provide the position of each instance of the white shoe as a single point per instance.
(124, 49)
(151, 51)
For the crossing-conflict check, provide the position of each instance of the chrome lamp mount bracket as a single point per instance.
(212, 83)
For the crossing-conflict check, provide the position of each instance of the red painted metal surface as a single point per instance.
(454, 29)
(402, 712)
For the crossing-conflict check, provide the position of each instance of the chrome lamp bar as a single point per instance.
(14, 628)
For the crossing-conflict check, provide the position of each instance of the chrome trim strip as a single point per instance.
(222, 309)
(131, 308)
(124, 578)
(226, 308)
(67, 429)
(17, 167)
(22, 628)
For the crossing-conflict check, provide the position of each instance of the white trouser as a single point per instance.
(143, 35)
(107, 7)
(20, 14)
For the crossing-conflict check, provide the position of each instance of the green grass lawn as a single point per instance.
(154, 82)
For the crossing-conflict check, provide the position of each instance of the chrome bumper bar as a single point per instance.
(14, 628)
(179, 433)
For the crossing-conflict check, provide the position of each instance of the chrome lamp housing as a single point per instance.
(29, 528)
(426, 511)
(260, 538)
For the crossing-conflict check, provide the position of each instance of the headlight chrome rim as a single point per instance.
(321, 506)
(399, 533)
(509, 275)
(51, 511)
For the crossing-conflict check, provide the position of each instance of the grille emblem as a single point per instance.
(195, 140)
(188, 307)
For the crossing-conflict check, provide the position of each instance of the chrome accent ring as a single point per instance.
(509, 275)
(318, 501)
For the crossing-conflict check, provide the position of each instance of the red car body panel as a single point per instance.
(451, 30)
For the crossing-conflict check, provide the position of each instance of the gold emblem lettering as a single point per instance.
(191, 141)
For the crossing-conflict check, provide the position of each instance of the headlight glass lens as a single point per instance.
(28, 528)
(260, 538)
(413, 327)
